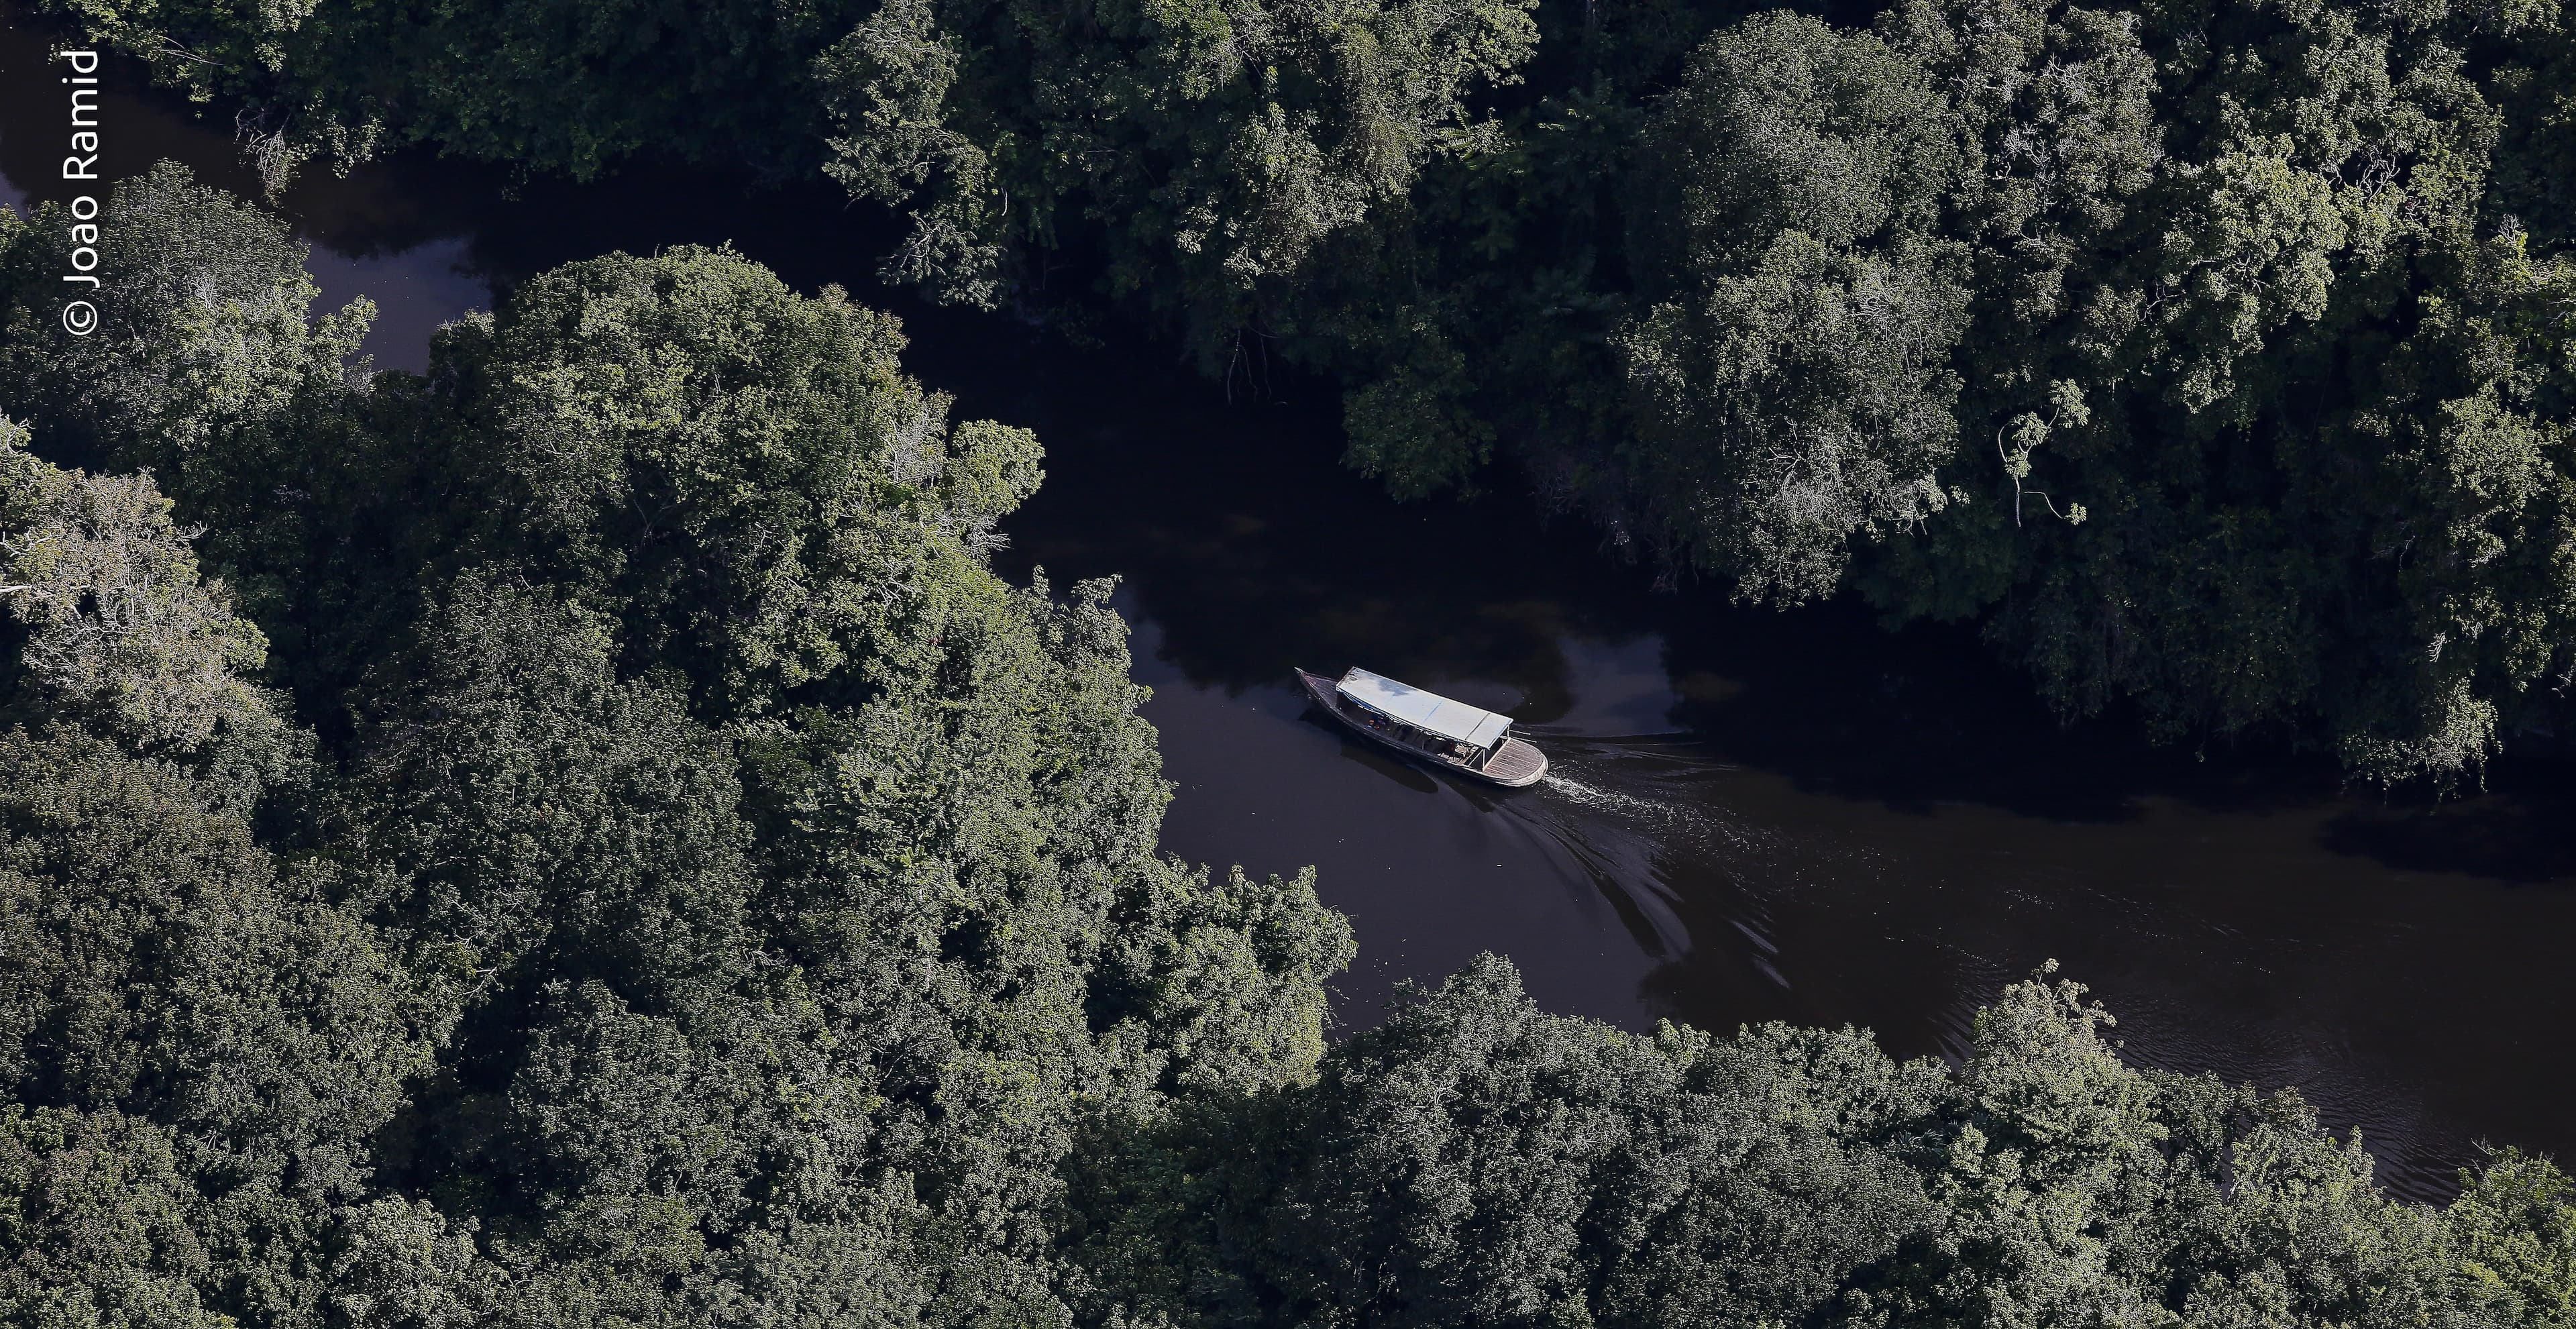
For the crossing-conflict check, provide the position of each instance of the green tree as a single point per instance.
(788, 878)
(114, 629)
(1792, 373)
(2516, 1220)
(2206, 356)
(203, 334)
(2224, 367)
(726, 900)
(744, 473)
(162, 967)
(1211, 147)
(94, 1219)
(1208, 148)
(1475, 1160)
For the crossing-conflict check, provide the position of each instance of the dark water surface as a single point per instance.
(1751, 816)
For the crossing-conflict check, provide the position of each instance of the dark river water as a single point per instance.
(1751, 815)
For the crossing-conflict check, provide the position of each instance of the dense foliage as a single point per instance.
(582, 837)
(1475, 1161)
(2213, 356)
(662, 875)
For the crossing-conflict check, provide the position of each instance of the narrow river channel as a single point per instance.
(1752, 815)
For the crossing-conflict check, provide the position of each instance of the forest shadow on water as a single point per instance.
(1756, 815)
(1752, 814)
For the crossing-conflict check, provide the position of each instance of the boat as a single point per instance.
(1428, 727)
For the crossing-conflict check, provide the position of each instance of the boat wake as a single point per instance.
(1605, 808)
(1607, 800)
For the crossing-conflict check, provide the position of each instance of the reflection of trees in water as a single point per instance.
(1254, 551)
(2519, 834)
(1261, 554)
(1243, 536)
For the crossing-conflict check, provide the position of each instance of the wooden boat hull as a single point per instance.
(1516, 765)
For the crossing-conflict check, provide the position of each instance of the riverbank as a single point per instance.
(1756, 816)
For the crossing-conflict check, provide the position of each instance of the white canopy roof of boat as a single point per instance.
(1427, 711)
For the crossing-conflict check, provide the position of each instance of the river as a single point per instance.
(1752, 815)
